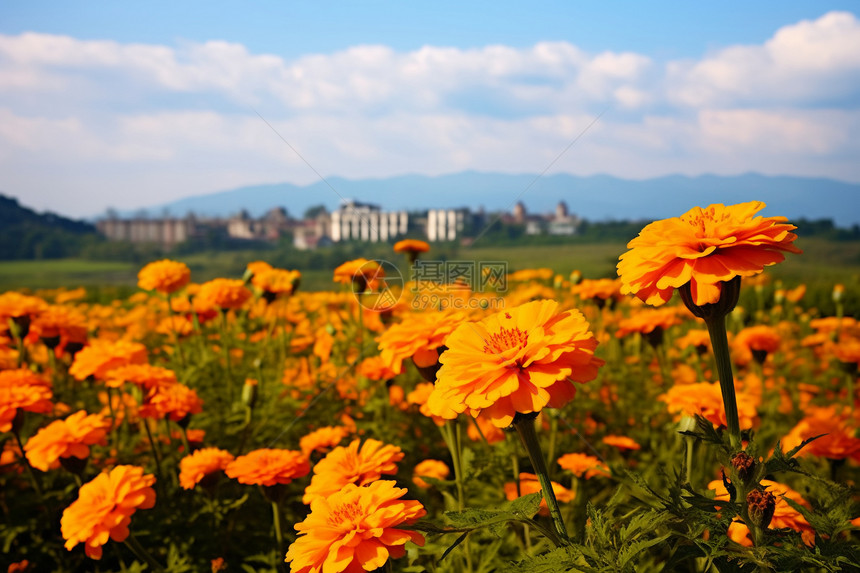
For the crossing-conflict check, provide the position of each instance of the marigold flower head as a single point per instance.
(164, 276)
(411, 245)
(703, 247)
(193, 468)
(268, 467)
(223, 294)
(836, 428)
(104, 508)
(274, 282)
(706, 400)
(599, 290)
(583, 465)
(60, 322)
(355, 529)
(621, 442)
(71, 437)
(759, 338)
(351, 464)
(146, 376)
(174, 400)
(529, 483)
(361, 273)
(519, 360)
(25, 390)
(429, 468)
(419, 335)
(100, 356)
(647, 320)
(323, 439)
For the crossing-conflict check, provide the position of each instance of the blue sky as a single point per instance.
(131, 104)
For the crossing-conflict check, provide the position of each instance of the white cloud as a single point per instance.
(808, 62)
(81, 118)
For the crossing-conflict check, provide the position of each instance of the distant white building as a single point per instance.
(355, 221)
(445, 224)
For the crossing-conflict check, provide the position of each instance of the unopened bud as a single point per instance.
(744, 465)
(761, 505)
(249, 392)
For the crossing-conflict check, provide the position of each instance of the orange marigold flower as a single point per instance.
(276, 281)
(268, 467)
(71, 437)
(374, 368)
(697, 338)
(202, 463)
(621, 442)
(146, 376)
(520, 360)
(24, 389)
(600, 290)
(647, 320)
(323, 439)
(783, 516)
(174, 400)
(706, 400)
(759, 338)
(21, 308)
(350, 464)
(583, 465)
(847, 350)
(58, 322)
(419, 336)
(221, 294)
(355, 529)
(361, 273)
(411, 246)
(838, 428)
(104, 508)
(419, 397)
(488, 430)
(703, 247)
(99, 357)
(429, 468)
(529, 483)
(164, 276)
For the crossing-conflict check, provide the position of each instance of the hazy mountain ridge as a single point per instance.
(597, 198)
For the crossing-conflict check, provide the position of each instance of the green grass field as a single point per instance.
(822, 261)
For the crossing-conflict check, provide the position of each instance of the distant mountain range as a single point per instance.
(596, 198)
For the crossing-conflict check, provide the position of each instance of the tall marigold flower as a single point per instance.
(164, 276)
(323, 439)
(201, 464)
(71, 437)
(351, 464)
(355, 529)
(519, 360)
(104, 508)
(583, 465)
(146, 376)
(361, 273)
(25, 390)
(268, 467)
(411, 247)
(174, 400)
(99, 357)
(837, 433)
(222, 294)
(419, 337)
(429, 468)
(703, 247)
(705, 400)
(760, 340)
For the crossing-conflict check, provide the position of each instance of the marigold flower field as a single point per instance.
(543, 422)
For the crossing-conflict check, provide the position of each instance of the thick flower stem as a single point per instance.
(720, 344)
(525, 426)
(279, 536)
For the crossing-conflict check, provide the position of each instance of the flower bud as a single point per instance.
(761, 505)
(744, 465)
(249, 393)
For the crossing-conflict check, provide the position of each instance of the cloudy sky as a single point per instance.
(133, 104)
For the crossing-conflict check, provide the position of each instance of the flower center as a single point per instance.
(506, 339)
(349, 514)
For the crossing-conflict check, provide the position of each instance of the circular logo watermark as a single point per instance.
(382, 282)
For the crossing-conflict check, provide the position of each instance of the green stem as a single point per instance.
(525, 427)
(30, 470)
(689, 441)
(132, 543)
(155, 453)
(279, 536)
(720, 343)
